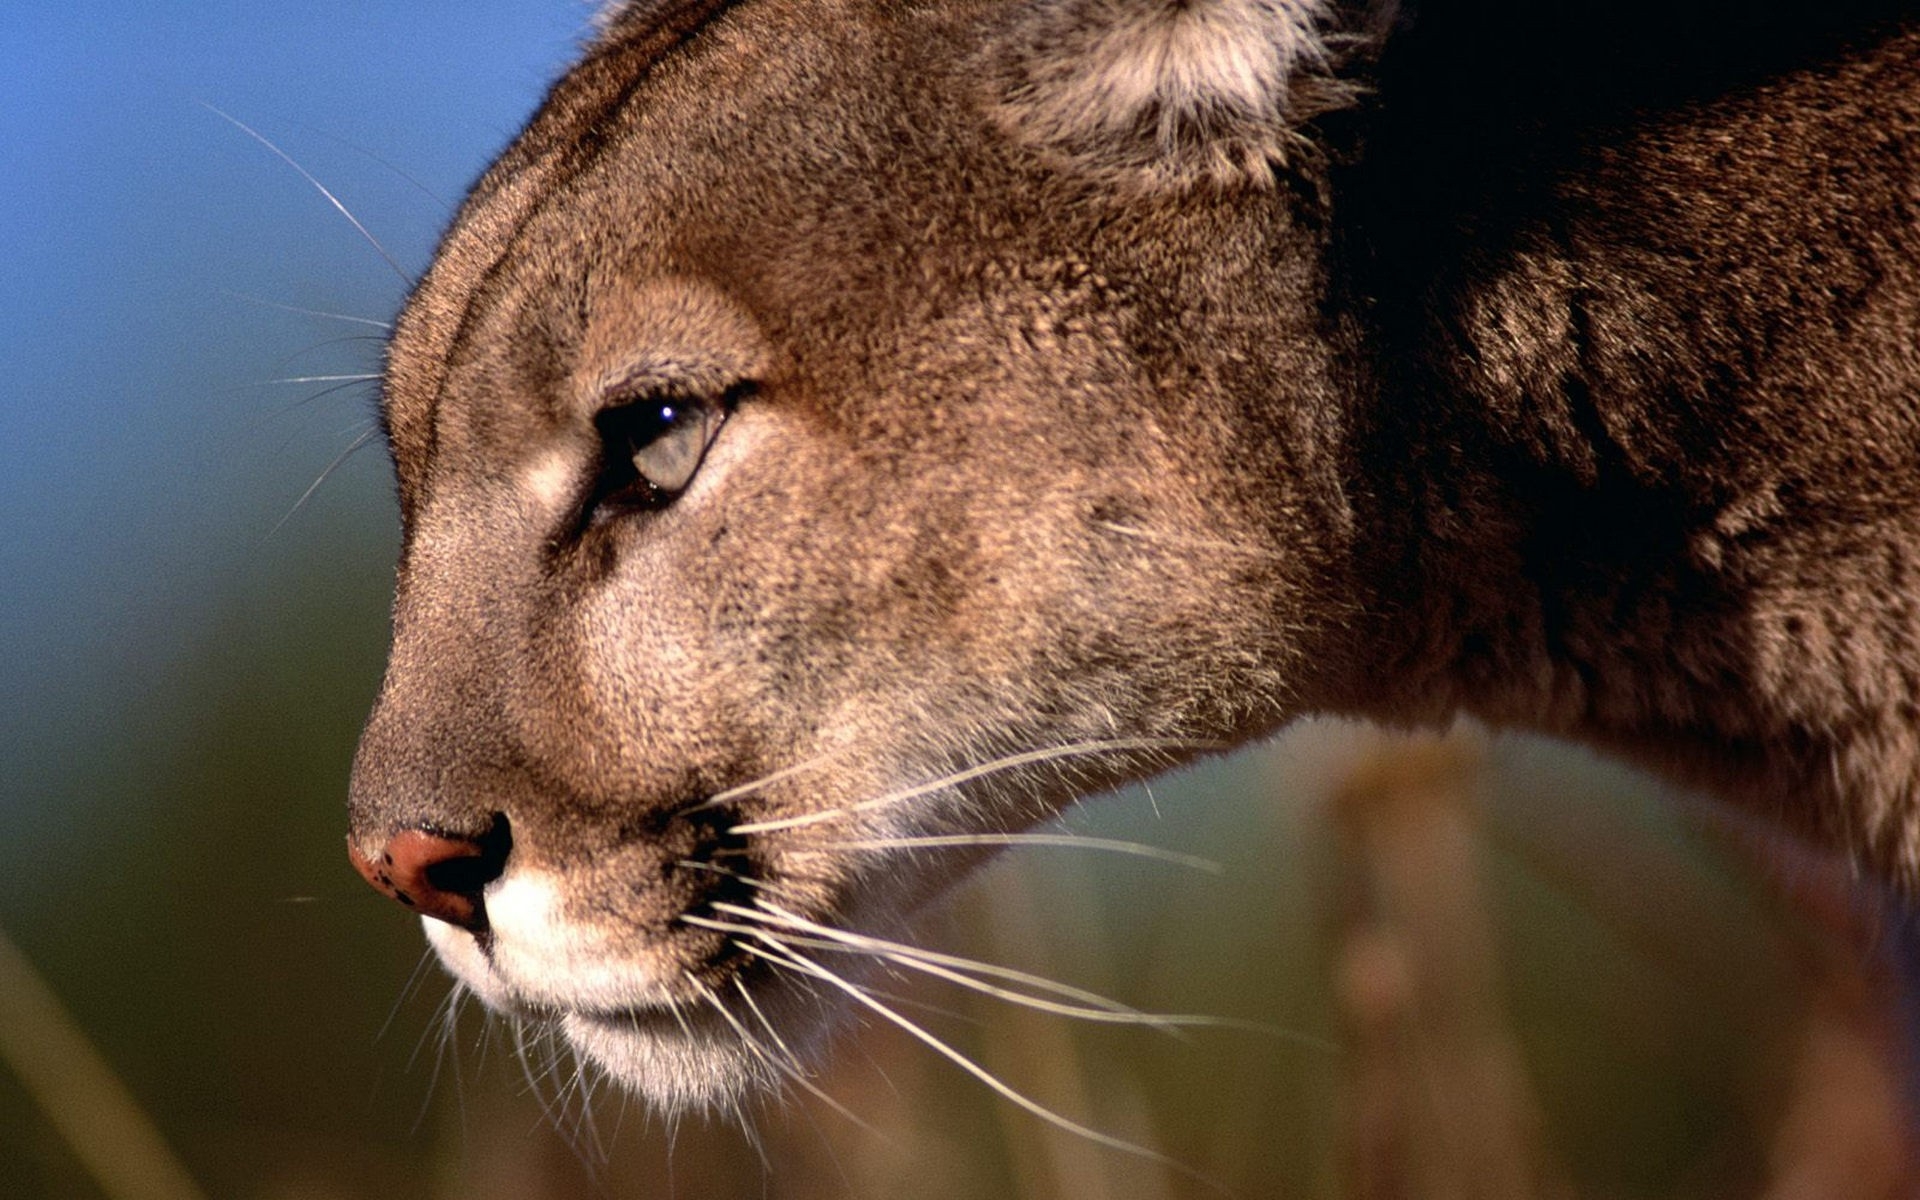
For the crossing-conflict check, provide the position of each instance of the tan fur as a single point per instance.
(1082, 397)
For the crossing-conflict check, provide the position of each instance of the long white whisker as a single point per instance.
(533, 1077)
(452, 1048)
(590, 1148)
(780, 1043)
(782, 1057)
(309, 398)
(433, 1029)
(798, 1071)
(324, 392)
(441, 1030)
(1166, 1023)
(773, 1071)
(1010, 762)
(360, 377)
(767, 780)
(307, 175)
(793, 939)
(790, 1067)
(888, 949)
(1094, 1007)
(408, 990)
(339, 460)
(357, 148)
(1108, 1012)
(311, 312)
(795, 962)
(288, 360)
(1068, 840)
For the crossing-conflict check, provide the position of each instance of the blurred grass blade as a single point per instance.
(73, 1085)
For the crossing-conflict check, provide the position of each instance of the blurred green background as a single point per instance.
(1512, 970)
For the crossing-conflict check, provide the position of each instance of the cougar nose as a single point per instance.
(436, 875)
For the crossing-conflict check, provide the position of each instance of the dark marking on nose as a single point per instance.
(438, 875)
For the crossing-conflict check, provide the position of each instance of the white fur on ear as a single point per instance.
(606, 12)
(1179, 89)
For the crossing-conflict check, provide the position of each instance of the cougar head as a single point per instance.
(832, 426)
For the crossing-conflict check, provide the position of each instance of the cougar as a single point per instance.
(838, 433)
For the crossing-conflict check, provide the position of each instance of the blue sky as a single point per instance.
(144, 466)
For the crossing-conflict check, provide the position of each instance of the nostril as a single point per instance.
(481, 862)
(438, 875)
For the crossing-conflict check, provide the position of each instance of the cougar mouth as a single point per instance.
(708, 953)
(699, 1013)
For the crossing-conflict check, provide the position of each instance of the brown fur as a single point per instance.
(1569, 378)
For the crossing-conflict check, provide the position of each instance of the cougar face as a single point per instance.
(770, 503)
(832, 428)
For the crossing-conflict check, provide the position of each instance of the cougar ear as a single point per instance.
(1167, 92)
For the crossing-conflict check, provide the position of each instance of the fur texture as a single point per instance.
(1107, 380)
(1174, 91)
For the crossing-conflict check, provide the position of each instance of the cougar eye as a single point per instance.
(653, 447)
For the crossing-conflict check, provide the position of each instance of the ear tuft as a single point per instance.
(1166, 91)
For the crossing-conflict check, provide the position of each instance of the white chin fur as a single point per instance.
(674, 1069)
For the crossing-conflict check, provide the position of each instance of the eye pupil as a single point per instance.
(653, 449)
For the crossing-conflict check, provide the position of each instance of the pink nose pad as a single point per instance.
(436, 876)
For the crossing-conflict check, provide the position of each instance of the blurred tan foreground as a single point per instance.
(1439, 1105)
(1452, 969)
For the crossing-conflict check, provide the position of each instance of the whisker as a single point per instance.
(557, 1113)
(791, 1067)
(1096, 1008)
(1068, 840)
(287, 360)
(533, 1077)
(885, 947)
(767, 780)
(442, 1031)
(1010, 762)
(763, 885)
(361, 377)
(796, 939)
(339, 460)
(945, 1014)
(310, 312)
(780, 1043)
(1166, 1023)
(485, 1043)
(433, 1027)
(309, 398)
(450, 1048)
(408, 176)
(408, 990)
(679, 1018)
(786, 1053)
(307, 175)
(588, 1146)
(796, 962)
(752, 1134)
(772, 1071)
(1092, 1006)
